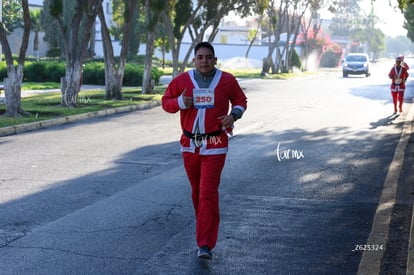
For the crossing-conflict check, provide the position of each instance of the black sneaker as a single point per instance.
(204, 253)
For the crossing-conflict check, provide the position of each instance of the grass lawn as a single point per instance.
(46, 106)
(253, 73)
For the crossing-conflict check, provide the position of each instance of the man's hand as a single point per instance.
(188, 100)
(226, 121)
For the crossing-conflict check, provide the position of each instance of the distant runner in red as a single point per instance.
(203, 96)
(399, 76)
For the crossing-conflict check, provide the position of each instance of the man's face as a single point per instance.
(204, 60)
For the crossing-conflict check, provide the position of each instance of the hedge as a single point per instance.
(93, 72)
(330, 59)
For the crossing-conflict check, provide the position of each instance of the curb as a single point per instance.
(371, 260)
(410, 256)
(21, 128)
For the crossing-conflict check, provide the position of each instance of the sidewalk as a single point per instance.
(410, 172)
(392, 220)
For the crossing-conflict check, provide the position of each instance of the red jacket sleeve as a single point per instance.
(237, 98)
(170, 99)
(174, 90)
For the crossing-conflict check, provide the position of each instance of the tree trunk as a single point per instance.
(12, 84)
(174, 42)
(36, 46)
(71, 86)
(75, 25)
(91, 47)
(259, 23)
(268, 61)
(147, 83)
(12, 88)
(175, 52)
(113, 87)
(12, 97)
(113, 75)
(113, 81)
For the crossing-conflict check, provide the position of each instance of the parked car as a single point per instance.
(356, 63)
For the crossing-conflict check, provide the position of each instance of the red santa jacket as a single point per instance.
(398, 74)
(405, 65)
(224, 90)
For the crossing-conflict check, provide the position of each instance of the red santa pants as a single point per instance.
(204, 175)
(397, 97)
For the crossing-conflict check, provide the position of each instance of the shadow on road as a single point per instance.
(282, 211)
(383, 93)
(389, 120)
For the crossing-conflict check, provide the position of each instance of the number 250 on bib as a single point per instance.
(203, 98)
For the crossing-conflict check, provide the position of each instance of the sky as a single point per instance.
(391, 21)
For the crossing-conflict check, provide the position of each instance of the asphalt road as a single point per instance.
(299, 191)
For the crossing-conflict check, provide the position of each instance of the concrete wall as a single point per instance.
(15, 41)
(224, 52)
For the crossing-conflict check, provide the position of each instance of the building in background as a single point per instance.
(15, 38)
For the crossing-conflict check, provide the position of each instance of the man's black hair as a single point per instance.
(204, 45)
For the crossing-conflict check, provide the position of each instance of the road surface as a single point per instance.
(299, 191)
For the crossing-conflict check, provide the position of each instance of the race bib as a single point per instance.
(203, 98)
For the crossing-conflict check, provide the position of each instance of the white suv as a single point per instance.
(356, 63)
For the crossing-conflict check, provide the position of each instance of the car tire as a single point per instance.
(344, 74)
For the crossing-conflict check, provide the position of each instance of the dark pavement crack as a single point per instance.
(76, 253)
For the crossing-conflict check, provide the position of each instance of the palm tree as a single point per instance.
(36, 28)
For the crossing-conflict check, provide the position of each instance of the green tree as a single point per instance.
(374, 38)
(176, 26)
(311, 27)
(137, 25)
(162, 42)
(293, 28)
(12, 15)
(346, 17)
(364, 32)
(398, 45)
(274, 28)
(36, 28)
(181, 16)
(75, 20)
(52, 36)
(13, 82)
(258, 9)
(286, 18)
(114, 72)
(404, 4)
(153, 10)
(409, 21)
